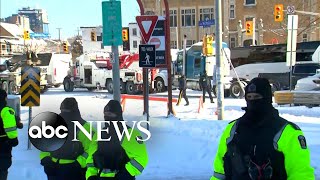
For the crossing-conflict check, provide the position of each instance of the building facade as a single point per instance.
(38, 18)
(22, 21)
(135, 37)
(185, 17)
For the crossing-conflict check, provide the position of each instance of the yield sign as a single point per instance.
(146, 25)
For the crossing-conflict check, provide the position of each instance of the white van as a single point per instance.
(56, 66)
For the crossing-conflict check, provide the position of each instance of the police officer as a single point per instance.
(116, 159)
(205, 85)
(261, 144)
(69, 162)
(8, 135)
(183, 90)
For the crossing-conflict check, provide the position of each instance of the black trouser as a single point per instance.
(65, 172)
(5, 163)
(183, 94)
(208, 90)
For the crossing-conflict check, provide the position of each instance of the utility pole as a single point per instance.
(184, 55)
(218, 48)
(59, 30)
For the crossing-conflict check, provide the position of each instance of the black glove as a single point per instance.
(47, 162)
(19, 124)
(93, 178)
(124, 175)
(12, 142)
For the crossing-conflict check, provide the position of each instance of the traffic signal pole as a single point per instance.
(218, 48)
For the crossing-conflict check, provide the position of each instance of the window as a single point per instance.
(232, 12)
(232, 42)
(306, 69)
(173, 18)
(135, 44)
(206, 14)
(249, 18)
(3, 47)
(189, 43)
(99, 38)
(8, 48)
(134, 31)
(173, 44)
(102, 46)
(250, 2)
(304, 37)
(188, 17)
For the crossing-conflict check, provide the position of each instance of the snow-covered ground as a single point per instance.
(181, 147)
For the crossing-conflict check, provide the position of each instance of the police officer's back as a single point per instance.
(69, 162)
(8, 135)
(205, 85)
(261, 144)
(116, 159)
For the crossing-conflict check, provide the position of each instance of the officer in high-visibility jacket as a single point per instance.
(116, 159)
(69, 162)
(8, 135)
(261, 144)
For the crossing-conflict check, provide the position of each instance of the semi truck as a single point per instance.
(195, 64)
(94, 71)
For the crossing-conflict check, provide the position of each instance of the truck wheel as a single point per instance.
(12, 88)
(131, 88)
(235, 90)
(5, 86)
(123, 87)
(68, 85)
(160, 87)
(109, 86)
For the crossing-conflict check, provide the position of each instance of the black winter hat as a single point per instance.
(3, 95)
(260, 86)
(69, 104)
(114, 107)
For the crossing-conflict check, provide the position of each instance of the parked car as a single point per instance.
(311, 83)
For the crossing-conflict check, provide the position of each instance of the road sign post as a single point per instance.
(146, 25)
(112, 36)
(30, 90)
(147, 59)
(292, 44)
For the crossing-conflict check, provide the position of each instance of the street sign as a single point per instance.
(290, 9)
(158, 39)
(147, 56)
(112, 24)
(146, 25)
(30, 86)
(207, 23)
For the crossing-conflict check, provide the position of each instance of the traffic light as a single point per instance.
(204, 45)
(125, 34)
(93, 36)
(278, 13)
(65, 47)
(210, 45)
(249, 28)
(26, 35)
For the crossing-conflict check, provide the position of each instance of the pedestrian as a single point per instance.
(183, 90)
(69, 162)
(261, 144)
(8, 135)
(116, 159)
(205, 85)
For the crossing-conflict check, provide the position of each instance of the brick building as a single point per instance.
(186, 14)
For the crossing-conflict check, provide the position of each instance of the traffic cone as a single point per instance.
(200, 104)
(123, 103)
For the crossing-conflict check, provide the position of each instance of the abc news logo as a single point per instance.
(48, 131)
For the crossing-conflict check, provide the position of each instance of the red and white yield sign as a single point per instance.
(147, 25)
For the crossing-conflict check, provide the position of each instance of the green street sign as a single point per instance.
(111, 22)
